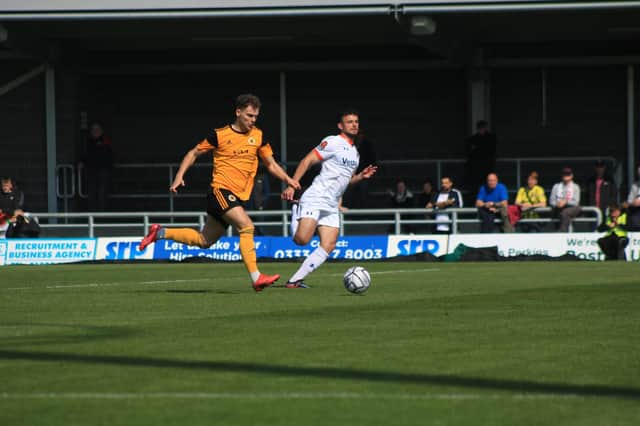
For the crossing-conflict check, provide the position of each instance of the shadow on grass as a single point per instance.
(187, 291)
(69, 333)
(520, 386)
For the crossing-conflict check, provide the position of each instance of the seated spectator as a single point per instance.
(427, 194)
(565, 200)
(633, 206)
(14, 222)
(402, 197)
(11, 198)
(492, 203)
(615, 240)
(528, 199)
(601, 188)
(445, 198)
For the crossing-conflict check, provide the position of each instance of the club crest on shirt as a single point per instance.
(251, 141)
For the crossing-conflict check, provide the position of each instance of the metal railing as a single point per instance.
(392, 218)
(70, 179)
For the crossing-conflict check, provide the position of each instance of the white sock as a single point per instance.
(295, 216)
(310, 264)
(254, 276)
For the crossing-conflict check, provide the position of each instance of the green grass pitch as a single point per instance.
(429, 343)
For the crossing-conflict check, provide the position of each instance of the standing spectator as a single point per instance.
(565, 200)
(633, 205)
(446, 198)
(601, 189)
(481, 155)
(492, 203)
(98, 160)
(357, 196)
(402, 197)
(528, 199)
(615, 240)
(427, 194)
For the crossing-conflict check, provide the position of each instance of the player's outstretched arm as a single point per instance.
(309, 160)
(188, 161)
(366, 173)
(276, 170)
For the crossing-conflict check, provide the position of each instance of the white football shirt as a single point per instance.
(340, 160)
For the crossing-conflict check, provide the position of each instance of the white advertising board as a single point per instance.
(122, 248)
(46, 250)
(583, 245)
(407, 245)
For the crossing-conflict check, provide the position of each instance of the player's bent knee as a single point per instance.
(246, 230)
(328, 246)
(301, 240)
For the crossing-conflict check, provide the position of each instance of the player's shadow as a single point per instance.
(188, 291)
(49, 333)
(520, 386)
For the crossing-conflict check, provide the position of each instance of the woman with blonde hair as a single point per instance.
(528, 199)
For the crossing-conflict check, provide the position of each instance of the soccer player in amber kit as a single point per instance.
(236, 149)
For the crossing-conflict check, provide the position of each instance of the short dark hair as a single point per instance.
(482, 124)
(347, 111)
(248, 99)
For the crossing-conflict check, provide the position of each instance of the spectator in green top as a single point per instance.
(615, 240)
(529, 198)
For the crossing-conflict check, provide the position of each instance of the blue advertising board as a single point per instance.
(228, 248)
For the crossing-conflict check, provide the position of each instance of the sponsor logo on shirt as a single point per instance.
(348, 162)
(323, 145)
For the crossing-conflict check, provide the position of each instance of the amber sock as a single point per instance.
(248, 251)
(185, 235)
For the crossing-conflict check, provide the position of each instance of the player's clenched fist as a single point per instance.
(288, 193)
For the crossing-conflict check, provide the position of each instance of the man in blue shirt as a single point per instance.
(492, 203)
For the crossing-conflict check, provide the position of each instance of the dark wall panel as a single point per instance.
(22, 136)
(157, 118)
(586, 112)
(409, 114)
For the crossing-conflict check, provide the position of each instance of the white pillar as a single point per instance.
(479, 92)
(283, 125)
(283, 116)
(50, 124)
(631, 124)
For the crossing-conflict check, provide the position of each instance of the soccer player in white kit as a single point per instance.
(318, 206)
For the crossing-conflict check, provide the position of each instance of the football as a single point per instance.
(356, 280)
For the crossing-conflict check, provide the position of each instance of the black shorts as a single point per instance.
(220, 201)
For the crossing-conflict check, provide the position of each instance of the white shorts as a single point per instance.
(322, 217)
